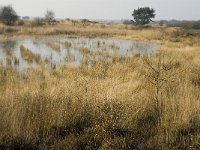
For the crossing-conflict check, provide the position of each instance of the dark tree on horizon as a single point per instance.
(8, 15)
(143, 15)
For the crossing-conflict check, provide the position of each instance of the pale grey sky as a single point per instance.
(107, 9)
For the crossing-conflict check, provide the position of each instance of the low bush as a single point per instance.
(38, 22)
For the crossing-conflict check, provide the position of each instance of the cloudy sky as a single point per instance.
(106, 9)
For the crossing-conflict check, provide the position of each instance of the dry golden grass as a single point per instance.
(70, 57)
(144, 103)
(29, 56)
(126, 103)
(54, 46)
(68, 45)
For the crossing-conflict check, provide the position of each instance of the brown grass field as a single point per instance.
(128, 103)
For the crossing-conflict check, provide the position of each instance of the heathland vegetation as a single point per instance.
(123, 103)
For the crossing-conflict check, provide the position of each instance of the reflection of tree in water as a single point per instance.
(9, 44)
(7, 48)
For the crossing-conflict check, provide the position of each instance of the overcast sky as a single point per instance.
(106, 9)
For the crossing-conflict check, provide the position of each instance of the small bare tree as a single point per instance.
(50, 17)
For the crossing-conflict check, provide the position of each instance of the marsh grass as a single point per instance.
(54, 46)
(8, 61)
(70, 57)
(114, 46)
(84, 50)
(68, 45)
(29, 56)
(16, 61)
(8, 52)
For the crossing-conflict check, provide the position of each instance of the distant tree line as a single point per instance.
(141, 17)
(183, 24)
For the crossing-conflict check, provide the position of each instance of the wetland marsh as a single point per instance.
(96, 87)
(31, 53)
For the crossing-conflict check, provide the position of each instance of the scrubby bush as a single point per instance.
(85, 22)
(38, 22)
(196, 25)
(185, 24)
(10, 30)
(8, 15)
(20, 23)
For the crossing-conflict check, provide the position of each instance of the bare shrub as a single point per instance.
(50, 17)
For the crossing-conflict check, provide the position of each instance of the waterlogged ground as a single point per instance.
(31, 53)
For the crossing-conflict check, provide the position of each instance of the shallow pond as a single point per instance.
(30, 53)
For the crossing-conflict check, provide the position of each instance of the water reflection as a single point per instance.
(8, 44)
(30, 53)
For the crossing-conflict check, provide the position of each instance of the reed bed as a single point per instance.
(29, 56)
(54, 46)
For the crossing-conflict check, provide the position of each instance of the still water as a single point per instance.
(61, 51)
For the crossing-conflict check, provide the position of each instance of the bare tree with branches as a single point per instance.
(50, 16)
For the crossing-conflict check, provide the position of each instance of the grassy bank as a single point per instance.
(66, 28)
(128, 103)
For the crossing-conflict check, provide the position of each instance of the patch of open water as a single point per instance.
(64, 51)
